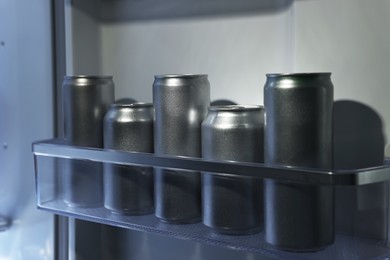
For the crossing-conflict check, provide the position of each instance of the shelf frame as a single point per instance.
(48, 155)
(354, 177)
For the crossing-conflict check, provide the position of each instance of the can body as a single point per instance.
(233, 205)
(298, 132)
(85, 102)
(129, 189)
(181, 103)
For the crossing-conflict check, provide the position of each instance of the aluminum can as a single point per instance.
(85, 102)
(298, 133)
(180, 103)
(233, 205)
(129, 189)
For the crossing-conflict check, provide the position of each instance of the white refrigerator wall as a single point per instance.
(26, 115)
(351, 39)
(235, 52)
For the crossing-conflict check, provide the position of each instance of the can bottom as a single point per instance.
(238, 232)
(132, 212)
(298, 250)
(298, 217)
(177, 196)
(179, 221)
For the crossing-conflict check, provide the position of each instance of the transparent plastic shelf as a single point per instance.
(345, 247)
(57, 148)
(52, 157)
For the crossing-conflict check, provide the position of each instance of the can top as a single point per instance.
(164, 76)
(235, 108)
(132, 105)
(299, 74)
(86, 77)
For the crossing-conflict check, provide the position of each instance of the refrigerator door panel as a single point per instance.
(26, 113)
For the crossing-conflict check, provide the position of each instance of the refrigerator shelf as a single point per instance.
(51, 155)
(344, 247)
(57, 148)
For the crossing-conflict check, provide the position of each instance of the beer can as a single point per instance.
(180, 103)
(129, 189)
(233, 205)
(298, 133)
(85, 102)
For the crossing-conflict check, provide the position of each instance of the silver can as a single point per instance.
(181, 103)
(85, 102)
(298, 132)
(129, 189)
(233, 205)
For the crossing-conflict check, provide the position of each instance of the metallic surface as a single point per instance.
(233, 205)
(61, 223)
(298, 132)
(129, 189)
(181, 103)
(85, 102)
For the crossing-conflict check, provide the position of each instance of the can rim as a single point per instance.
(233, 108)
(299, 74)
(88, 77)
(163, 76)
(132, 105)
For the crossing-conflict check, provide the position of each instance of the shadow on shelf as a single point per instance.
(137, 10)
(359, 142)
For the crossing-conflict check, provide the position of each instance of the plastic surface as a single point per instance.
(49, 155)
(58, 149)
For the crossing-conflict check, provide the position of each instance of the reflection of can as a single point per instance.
(85, 102)
(129, 189)
(298, 132)
(233, 204)
(181, 103)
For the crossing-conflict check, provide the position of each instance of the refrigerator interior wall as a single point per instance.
(234, 50)
(237, 48)
(350, 40)
(26, 114)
